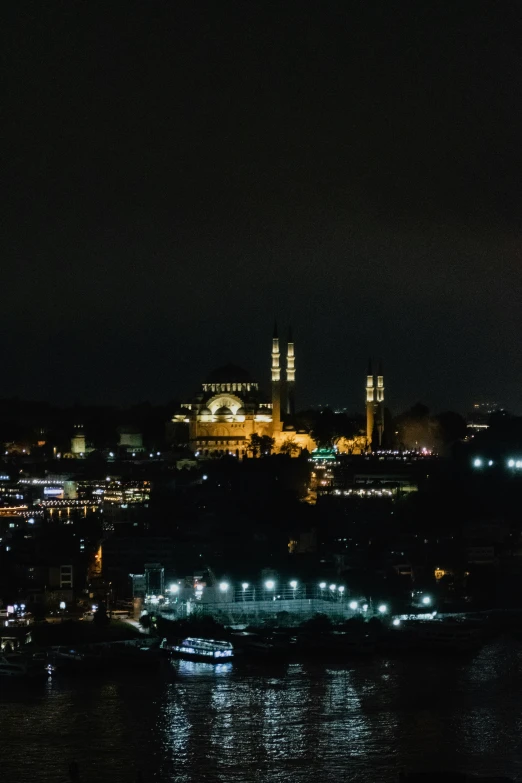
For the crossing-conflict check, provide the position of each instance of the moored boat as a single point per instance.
(208, 650)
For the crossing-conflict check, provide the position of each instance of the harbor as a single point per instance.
(315, 640)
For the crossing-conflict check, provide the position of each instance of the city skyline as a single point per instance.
(353, 400)
(260, 397)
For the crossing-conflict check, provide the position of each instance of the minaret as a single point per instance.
(380, 403)
(369, 406)
(290, 375)
(276, 383)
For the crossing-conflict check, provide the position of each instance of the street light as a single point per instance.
(382, 608)
(396, 621)
(293, 584)
(477, 462)
(353, 605)
(269, 584)
(332, 587)
(426, 600)
(174, 588)
(322, 585)
(223, 586)
(365, 607)
(341, 589)
(244, 586)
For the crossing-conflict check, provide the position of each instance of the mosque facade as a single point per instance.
(230, 407)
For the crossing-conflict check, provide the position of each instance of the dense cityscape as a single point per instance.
(237, 502)
(260, 392)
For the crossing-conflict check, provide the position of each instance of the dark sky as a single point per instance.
(179, 174)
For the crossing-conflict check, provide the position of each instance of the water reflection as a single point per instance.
(229, 723)
(201, 668)
(489, 718)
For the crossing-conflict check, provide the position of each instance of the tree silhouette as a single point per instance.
(290, 447)
(261, 445)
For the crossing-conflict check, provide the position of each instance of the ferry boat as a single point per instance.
(207, 650)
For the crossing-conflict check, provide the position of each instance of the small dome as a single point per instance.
(204, 411)
(263, 412)
(241, 411)
(223, 411)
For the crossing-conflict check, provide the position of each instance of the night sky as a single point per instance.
(179, 174)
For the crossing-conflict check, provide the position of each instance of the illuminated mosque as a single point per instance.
(230, 408)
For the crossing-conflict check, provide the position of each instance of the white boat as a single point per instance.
(207, 650)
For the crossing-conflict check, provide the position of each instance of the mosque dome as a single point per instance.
(241, 411)
(204, 411)
(223, 411)
(229, 373)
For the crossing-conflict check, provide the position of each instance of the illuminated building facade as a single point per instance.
(78, 444)
(230, 408)
(374, 407)
(124, 493)
(130, 439)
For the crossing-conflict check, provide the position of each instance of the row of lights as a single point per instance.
(111, 454)
(479, 462)
(270, 585)
(361, 492)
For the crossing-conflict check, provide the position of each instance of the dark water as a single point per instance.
(301, 722)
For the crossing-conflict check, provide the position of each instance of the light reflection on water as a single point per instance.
(235, 722)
